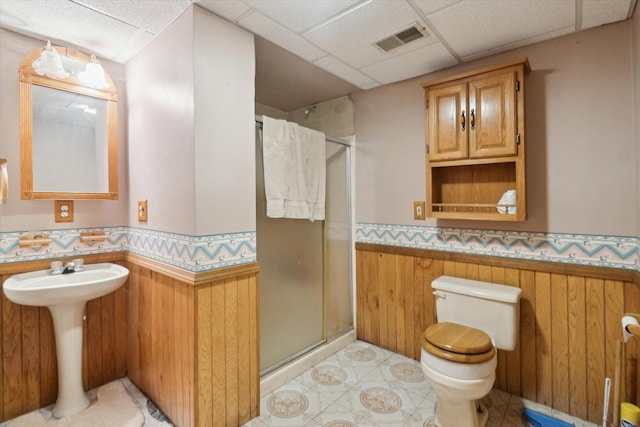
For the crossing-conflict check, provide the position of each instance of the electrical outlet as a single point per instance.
(142, 210)
(418, 210)
(64, 210)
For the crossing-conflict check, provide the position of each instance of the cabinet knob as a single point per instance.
(463, 121)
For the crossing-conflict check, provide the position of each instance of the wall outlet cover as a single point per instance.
(64, 210)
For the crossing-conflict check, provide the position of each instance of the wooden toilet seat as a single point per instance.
(458, 343)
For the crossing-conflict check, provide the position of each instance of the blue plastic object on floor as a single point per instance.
(541, 420)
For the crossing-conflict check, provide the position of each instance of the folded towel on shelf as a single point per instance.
(294, 159)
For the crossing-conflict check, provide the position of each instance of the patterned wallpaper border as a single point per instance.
(192, 253)
(601, 251)
(203, 253)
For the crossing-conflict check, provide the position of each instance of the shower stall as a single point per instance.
(306, 298)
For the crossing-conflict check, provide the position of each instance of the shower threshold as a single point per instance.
(290, 368)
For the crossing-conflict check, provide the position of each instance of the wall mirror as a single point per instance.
(68, 127)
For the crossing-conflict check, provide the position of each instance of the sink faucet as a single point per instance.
(69, 268)
(75, 266)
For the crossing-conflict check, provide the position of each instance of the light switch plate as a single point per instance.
(418, 210)
(142, 210)
(64, 210)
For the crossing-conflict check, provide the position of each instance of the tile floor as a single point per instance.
(364, 385)
(361, 385)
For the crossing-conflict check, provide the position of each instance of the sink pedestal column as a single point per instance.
(67, 325)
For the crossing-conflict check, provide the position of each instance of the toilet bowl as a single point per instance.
(459, 356)
(458, 384)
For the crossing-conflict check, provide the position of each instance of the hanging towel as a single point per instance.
(294, 159)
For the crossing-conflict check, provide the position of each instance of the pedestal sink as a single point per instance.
(66, 296)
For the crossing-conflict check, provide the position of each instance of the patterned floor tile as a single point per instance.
(424, 413)
(338, 415)
(359, 354)
(289, 405)
(406, 373)
(384, 402)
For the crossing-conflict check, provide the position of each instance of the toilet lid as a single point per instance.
(458, 343)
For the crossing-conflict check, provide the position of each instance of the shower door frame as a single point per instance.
(350, 264)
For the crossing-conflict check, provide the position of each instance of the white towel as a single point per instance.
(294, 159)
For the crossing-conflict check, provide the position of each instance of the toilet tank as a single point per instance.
(492, 308)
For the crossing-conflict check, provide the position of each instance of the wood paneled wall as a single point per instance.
(193, 342)
(29, 377)
(160, 341)
(228, 376)
(569, 320)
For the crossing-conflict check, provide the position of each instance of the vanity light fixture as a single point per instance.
(52, 64)
(93, 75)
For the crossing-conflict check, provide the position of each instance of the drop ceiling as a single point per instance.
(332, 42)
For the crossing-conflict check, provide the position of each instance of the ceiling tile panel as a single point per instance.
(519, 43)
(422, 61)
(340, 69)
(152, 16)
(231, 10)
(597, 12)
(351, 37)
(261, 25)
(68, 23)
(471, 26)
(431, 6)
(299, 15)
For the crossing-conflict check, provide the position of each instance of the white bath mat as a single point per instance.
(113, 408)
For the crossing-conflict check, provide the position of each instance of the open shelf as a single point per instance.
(473, 191)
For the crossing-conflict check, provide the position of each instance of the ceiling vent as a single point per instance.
(412, 33)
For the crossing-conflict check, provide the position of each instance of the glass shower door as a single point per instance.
(290, 255)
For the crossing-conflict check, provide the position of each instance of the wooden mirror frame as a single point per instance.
(28, 77)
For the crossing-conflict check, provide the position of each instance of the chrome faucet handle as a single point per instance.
(78, 264)
(56, 268)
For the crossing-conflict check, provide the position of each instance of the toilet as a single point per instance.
(459, 353)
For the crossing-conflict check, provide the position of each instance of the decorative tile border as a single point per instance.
(601, 251)
(199, 253)
(192, 253)
(64, 243)
(203, 253)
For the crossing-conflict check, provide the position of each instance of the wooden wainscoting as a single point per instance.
(29, 377)
(569, 320)
(160, 341)
(228, 376)
(193, 341)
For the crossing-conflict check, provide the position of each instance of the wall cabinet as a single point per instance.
(476, 144)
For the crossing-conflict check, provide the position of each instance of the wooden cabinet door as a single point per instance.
(447, 136)
(492, 116)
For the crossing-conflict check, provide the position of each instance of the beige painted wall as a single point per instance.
(191, 127)
(160, 91)
(224, 58)
(23, 215)
(581, 157)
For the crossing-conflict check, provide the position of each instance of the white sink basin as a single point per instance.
(40, 288)
(65, 295)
